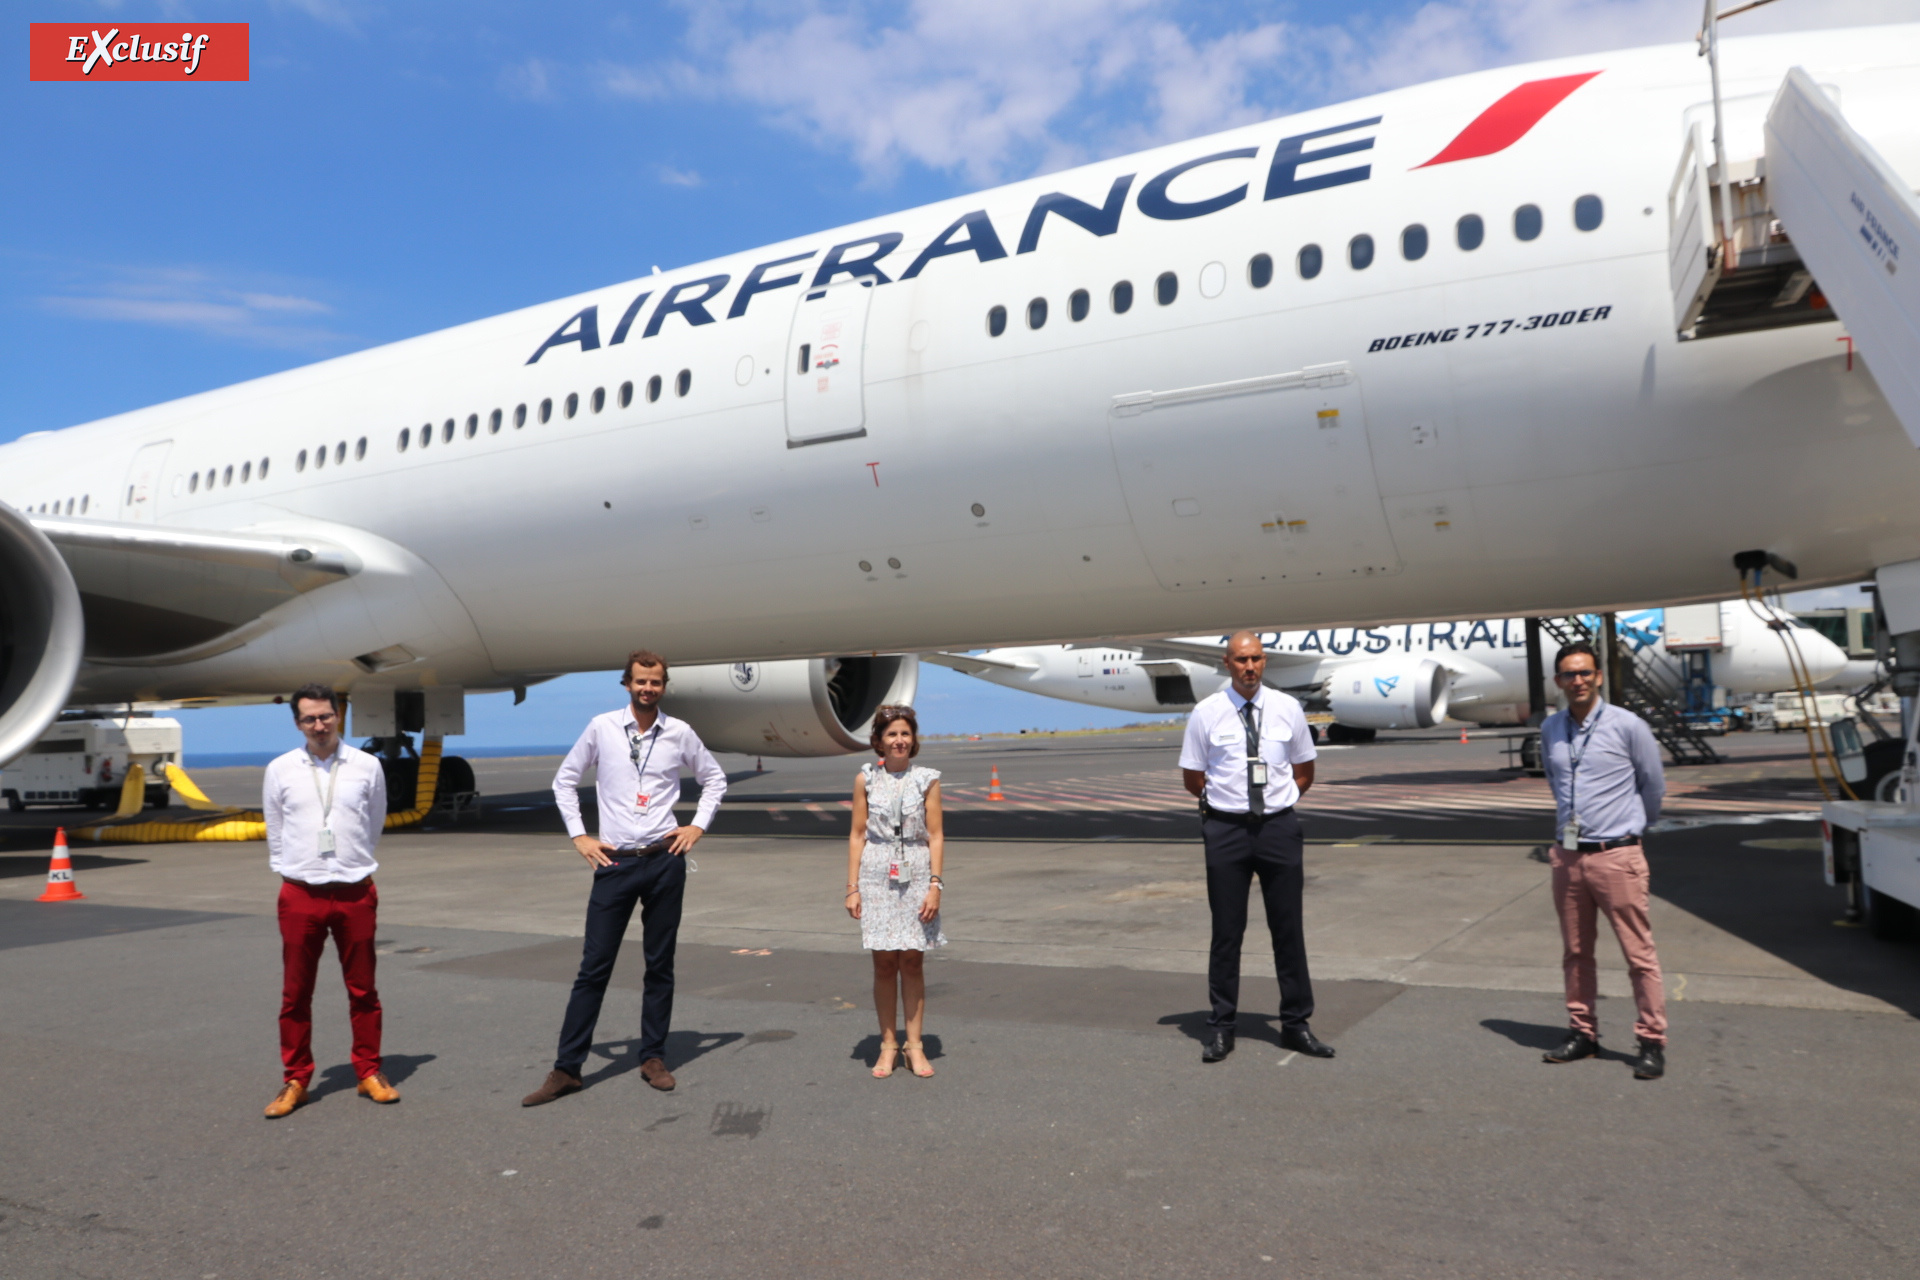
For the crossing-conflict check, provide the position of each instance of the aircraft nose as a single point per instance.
(1823, 657)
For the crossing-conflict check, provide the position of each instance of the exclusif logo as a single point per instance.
(139, 51)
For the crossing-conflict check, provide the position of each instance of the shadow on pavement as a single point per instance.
(340, 1077)
(33, 924)
(682, 1047)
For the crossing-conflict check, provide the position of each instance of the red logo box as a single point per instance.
(139, 51)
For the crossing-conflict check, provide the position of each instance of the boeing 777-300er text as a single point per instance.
(1478, 347)
(1409, 676)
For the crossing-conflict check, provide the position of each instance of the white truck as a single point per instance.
(1873, 848)
(84, 762)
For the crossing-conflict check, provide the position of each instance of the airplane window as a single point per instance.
(653, 388)
(406, 438)
(626, 394)
(1413, 242)
(426, 434)
(473, 426)
(1469, 232)
(224, 480)
(263, 468)
(1037, 314)
(360, 449)
(86, 498)
(519, 416)
(1260, 271)
(1079, 304)
(319, 458)
(493, 423)
(683, 383)
(340, 452)
(599, 399)
(573, 403)
(546, 410)
(1360, 252)
(1166, 288)
(246, 474)
(1526, 222)
(193, 481)
(1587, 212)
(1122, 297)
(300, 461)
(996, 322)
(1309, 261)
(446, 431)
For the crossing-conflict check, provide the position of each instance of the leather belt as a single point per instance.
(1601, 846)
(1244, 819)
(641, 851)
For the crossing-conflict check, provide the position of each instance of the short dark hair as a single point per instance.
(643, 658)
(1568, 650)
(883, 720)
(313, 691)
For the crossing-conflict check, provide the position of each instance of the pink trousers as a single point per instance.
(1613, 881)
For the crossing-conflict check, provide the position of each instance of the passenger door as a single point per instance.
(826, 356)
(140, 495)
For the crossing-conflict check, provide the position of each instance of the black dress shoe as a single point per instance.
(1301, 1040)
(1218, 1047)
(1578, 1045)
(1652, 1062)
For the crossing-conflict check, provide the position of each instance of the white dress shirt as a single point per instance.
(1216, 741)
(636, 803)
(292, 798)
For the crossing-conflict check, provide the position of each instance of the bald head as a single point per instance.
(1242, 638)
(1246, 662)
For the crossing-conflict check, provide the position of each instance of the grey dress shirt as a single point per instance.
(1618, 786)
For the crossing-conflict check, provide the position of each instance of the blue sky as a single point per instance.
(394, 168)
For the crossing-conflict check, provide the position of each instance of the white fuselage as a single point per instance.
(1023, 485)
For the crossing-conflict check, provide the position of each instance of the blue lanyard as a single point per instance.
(1574, 759)
(633, 752)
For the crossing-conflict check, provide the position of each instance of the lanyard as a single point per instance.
(333, 780)
(1575, 757)
(633, 752)
(896, 807)
(1250, 723)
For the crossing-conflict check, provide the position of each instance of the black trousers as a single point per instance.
(658, 883)
(1271, 849)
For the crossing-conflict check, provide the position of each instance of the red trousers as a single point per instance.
(1613, 881)
(308, 913)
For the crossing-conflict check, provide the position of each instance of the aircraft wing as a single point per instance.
(1848, 213)
(972, 665)
(151, 590)
(1278, 664)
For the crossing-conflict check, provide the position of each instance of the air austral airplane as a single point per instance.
(1480, 347)
(1406, 676)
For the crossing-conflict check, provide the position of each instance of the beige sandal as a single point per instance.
(913, 1046)
(886, 1047)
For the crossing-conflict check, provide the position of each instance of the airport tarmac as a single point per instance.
(1071, 1129)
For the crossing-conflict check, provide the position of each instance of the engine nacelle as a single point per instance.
(796, 707)
(41, 631)
(1392, 693)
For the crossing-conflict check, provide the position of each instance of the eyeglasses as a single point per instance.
(1576, 675)
(322, 718)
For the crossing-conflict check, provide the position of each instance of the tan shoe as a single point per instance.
(379, 1088)
(558, 1084)
(656, 1074)
(291, 1095)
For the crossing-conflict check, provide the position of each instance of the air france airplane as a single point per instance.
(1411, 676)
(1461, 348)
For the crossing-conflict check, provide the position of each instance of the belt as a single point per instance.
(641, 851)
(1243, 819)
(1600, 846)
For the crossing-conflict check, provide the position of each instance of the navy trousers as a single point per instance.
(1270, 849)
(657, 882)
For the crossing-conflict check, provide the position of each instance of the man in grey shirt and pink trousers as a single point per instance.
(1604, 767)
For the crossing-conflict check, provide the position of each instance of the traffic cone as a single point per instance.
(60, 886)
(993, 787)
(1463, 737)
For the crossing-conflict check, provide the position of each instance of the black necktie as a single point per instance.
(1256, 795)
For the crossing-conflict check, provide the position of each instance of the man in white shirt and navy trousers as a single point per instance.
(637, 859)
(325, 805)
(1248, 757)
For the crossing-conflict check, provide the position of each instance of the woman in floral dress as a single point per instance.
(894, 854)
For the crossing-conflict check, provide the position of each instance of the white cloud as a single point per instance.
(197, 300)
(532, 79)
(990, 89)
(680, 177)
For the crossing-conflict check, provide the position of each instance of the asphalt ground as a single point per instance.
(1071, 1129)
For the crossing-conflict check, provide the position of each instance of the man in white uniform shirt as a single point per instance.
(325, 805)
(637, 858)
(1247, 793)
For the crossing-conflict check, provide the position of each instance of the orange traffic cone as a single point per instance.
(1463, 737)
(60, 886)
(993, 787)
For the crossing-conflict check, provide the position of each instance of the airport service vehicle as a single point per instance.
(1501, 344)
(84, 762)
(1411, 676)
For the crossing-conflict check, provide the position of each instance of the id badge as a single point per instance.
(1257, 773)
(1570, 835)
(326, 842)
(640, 802)
(893, 872)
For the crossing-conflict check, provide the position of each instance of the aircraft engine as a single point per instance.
(1392, 693)
(797, 707)
(40, 633)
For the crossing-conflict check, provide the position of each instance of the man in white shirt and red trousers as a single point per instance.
(325, 805)
(637, 860)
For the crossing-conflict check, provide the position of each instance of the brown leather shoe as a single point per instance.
(558, 1084)
(291, 1095)
(379, 1088)
(656, 1074)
